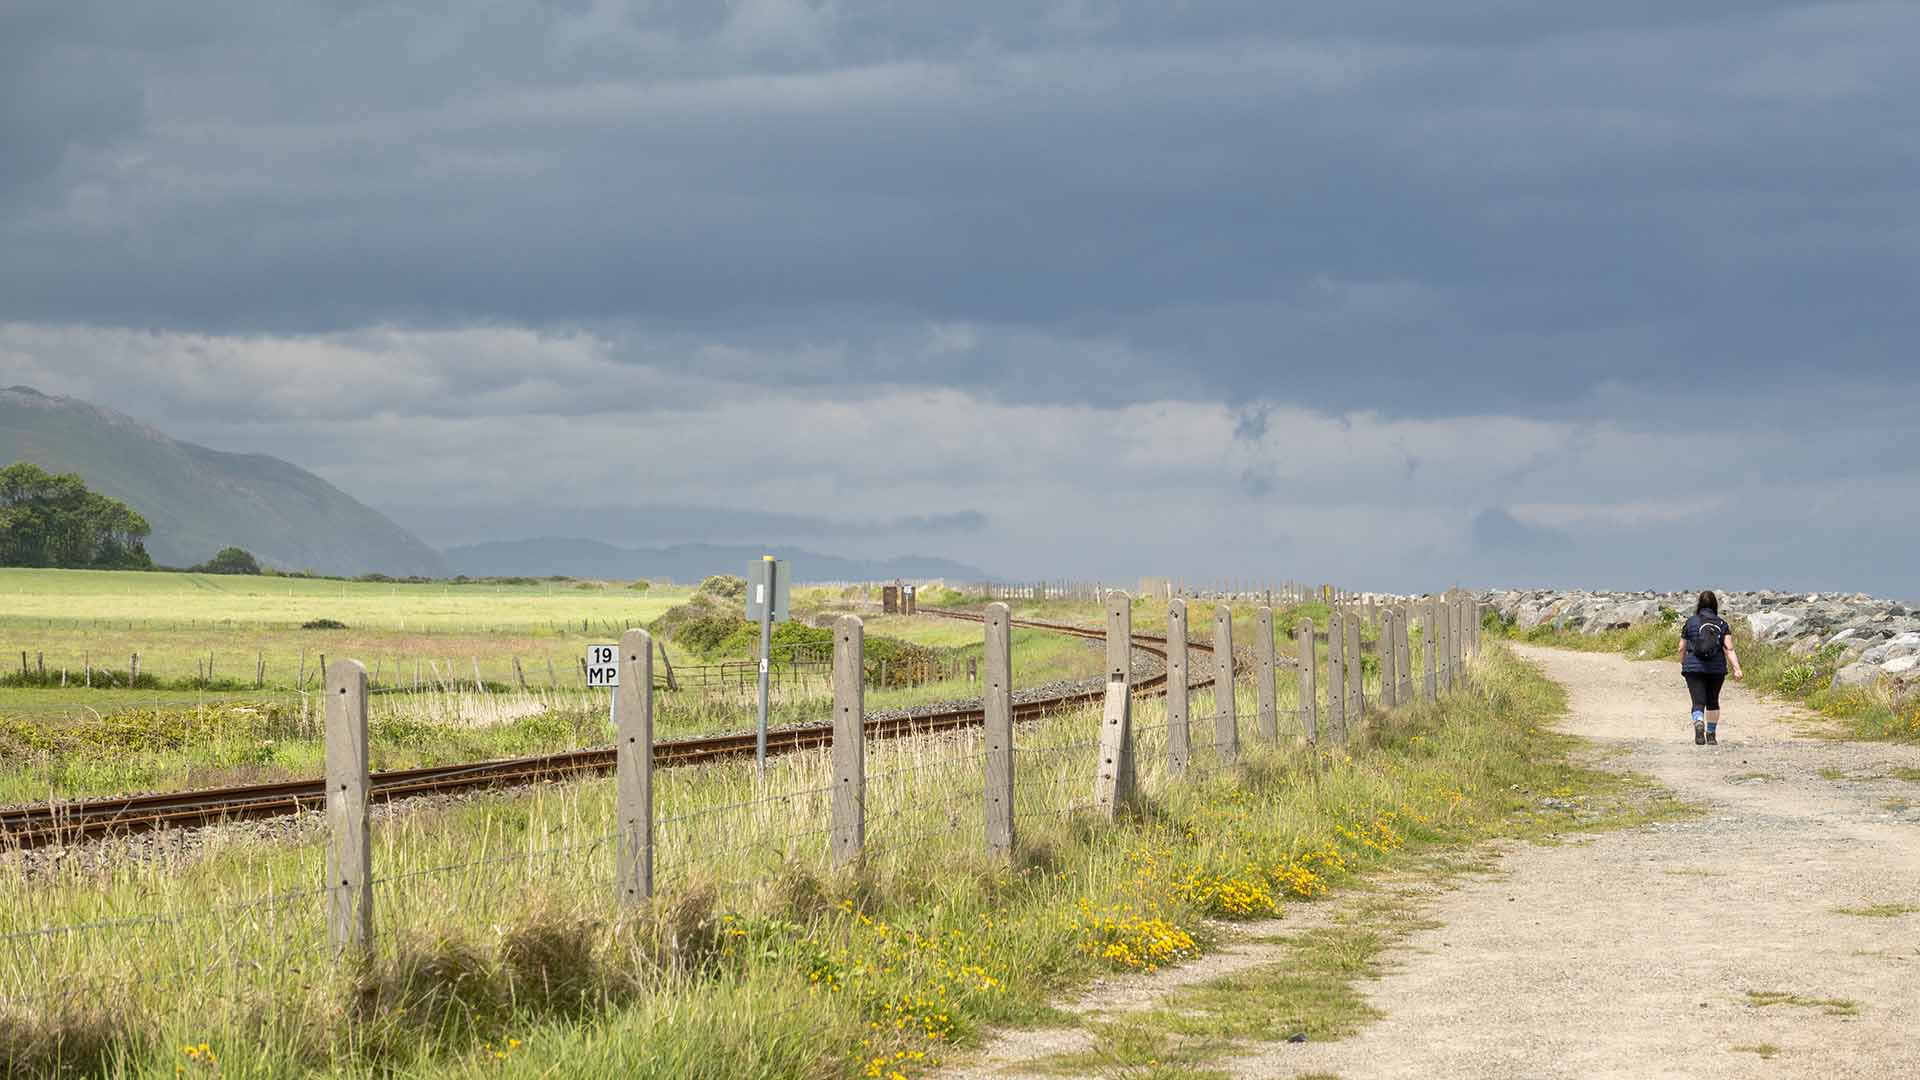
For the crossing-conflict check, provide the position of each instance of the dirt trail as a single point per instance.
(1634, 954)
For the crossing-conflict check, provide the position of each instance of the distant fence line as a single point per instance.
(1164, 588)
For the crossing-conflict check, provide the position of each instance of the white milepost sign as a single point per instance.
(603, 665)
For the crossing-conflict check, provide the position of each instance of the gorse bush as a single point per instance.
(701, 624)
(725, 587)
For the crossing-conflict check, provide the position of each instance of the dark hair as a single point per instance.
(1708, 602)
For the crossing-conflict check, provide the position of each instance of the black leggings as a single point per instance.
(1705, 689)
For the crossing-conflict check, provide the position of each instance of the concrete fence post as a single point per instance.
(848, 834)
(1120, 665)
(1356, 674)
(1179, 739)
(1269, 718)
(1309, 707)
(1429, 643)
(998, 701)
(1226, 721)
(1112, 784)
(1389, 660)
(1403, 648)
(350, 836)
(1460, 634)
(633, 766)
(1336, 676)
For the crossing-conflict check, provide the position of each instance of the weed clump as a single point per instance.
(323, 624)
(73, 1039)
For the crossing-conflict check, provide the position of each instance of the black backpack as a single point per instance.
(1707, 639)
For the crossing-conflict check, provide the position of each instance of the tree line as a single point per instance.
(49, 520)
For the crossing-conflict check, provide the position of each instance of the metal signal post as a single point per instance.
(767, 590)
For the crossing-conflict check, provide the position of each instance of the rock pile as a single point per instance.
(1877, 639)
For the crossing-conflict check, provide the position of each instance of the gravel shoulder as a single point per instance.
(1637, 954)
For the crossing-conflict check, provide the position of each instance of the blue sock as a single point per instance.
(1699, 715)
(1710, 728)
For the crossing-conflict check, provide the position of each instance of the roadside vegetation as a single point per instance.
(502, 950)
(1866, 713)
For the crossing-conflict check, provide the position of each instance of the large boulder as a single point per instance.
(1772, 625)
(1856, 677)
(1901, 665)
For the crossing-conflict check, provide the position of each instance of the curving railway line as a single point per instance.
(69, 822)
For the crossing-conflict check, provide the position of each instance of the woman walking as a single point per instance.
(1706, 652)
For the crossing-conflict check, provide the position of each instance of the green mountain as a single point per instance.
(199, 500)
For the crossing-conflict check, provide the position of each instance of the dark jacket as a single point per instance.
(1694, 665)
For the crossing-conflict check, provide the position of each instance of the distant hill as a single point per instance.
(199, 500)
(682, 562)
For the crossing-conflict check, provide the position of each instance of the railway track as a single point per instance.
(69, 822)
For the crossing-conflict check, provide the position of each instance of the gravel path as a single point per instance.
(1634, 954)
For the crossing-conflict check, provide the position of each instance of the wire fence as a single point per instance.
(716, 828)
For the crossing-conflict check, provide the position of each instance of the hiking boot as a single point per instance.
(1699, 733)
(1711, 739)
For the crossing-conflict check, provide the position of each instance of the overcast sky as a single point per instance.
(1385, 292)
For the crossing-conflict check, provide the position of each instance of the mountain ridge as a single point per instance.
(575, 557)
(199, 499)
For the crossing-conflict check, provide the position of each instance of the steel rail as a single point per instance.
(66, 822)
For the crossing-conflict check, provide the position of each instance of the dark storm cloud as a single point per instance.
(1427, 209)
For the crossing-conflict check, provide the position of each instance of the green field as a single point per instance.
(237, 676)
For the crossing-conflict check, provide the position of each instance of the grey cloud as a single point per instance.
(1495, 206)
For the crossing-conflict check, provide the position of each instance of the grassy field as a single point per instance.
(1773, 669)
(503, 952)
(214, 720)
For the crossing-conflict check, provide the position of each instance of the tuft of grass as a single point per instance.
(1761, 999)
(1763, 1050)
(1878, 911)
(1909, 774)
(1750, 777)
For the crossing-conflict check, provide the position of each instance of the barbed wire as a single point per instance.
(156, 920)
(498, 860)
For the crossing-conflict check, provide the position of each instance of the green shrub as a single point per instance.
(323, 624)
(724, 587)
(641, 586)
(1802, 678)
(231, 560)
(701, 624)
